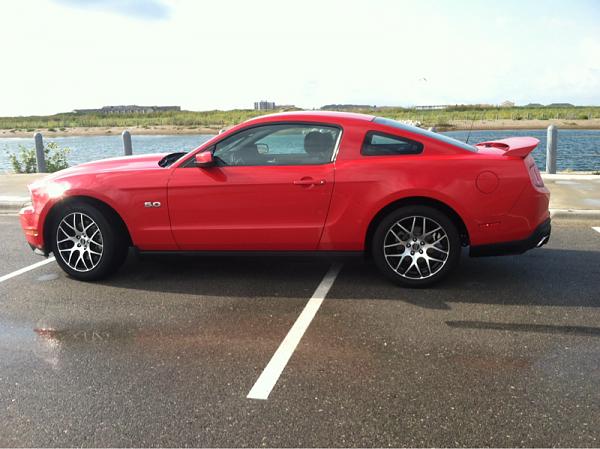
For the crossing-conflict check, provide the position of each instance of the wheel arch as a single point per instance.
(103, 206)
(416, 201)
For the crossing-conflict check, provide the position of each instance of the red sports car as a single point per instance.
(300, 181)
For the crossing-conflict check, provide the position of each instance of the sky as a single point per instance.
(59, 55)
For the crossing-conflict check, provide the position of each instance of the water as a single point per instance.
(89, 148)
(577, 149)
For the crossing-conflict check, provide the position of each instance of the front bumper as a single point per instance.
(30, 223)
(539, 237)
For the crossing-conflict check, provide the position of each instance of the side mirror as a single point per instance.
(204, 159)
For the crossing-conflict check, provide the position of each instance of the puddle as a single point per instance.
(491, 362)
(569, 183)
(48, 277)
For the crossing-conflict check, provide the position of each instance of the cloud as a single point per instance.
(137, 9)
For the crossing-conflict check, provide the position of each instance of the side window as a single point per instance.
(281, 144)
(381, 144)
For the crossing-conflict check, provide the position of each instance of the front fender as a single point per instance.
(126, 193)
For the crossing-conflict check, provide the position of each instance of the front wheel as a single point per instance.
(85, 243)
(416, 246)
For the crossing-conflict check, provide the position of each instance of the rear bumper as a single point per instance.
(539, 237)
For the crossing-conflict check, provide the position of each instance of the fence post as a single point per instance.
(127, 148)
(551, 145)
(40, 157)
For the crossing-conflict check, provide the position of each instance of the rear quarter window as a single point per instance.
(423, 132)
(377, 143)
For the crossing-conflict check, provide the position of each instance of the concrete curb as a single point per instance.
(570, 177)
(575, 214)
(12, 207)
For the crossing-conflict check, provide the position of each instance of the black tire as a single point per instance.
(114, 243)
(397, 240)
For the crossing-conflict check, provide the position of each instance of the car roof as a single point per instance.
(325, 116)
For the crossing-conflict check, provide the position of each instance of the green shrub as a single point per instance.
(24, 161)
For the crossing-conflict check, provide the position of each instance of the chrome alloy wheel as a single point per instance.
(416, 247)
(79, 242)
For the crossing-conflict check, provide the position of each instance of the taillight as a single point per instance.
(536, 177)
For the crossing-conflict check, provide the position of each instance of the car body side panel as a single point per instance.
(149, 227)
(491, 192)
(367, 184)
(249, 208)
(125, 191)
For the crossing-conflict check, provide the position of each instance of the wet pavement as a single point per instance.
(505, 353)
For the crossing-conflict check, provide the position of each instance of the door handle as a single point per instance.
(309, 182)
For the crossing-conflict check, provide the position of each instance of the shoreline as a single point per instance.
(112, 131)
(462, 125)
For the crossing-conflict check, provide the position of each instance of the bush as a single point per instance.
(24, 161)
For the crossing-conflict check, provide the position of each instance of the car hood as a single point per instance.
(115, 164)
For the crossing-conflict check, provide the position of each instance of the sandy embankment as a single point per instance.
(104, 131)
(173, 130)
(525, 124)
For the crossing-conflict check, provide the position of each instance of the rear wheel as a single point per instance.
(85, 243)
(416, 246)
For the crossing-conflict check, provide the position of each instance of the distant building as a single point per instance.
(264, 105)
(534, 105)
(507, 104)
(432, 107)
(561, 105)
(345, 107)
(128, 109)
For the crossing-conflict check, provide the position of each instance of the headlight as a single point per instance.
(56, 189)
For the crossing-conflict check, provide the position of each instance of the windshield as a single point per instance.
(424, 132)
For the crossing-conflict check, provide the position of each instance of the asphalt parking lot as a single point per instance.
(165, 353)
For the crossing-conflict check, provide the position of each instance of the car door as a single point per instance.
(269, 190)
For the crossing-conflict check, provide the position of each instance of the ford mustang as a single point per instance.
(323, 182)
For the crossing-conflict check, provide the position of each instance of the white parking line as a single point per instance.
(8, 276)
(596, 228)
(267, 380)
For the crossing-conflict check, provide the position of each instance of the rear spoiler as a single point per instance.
(513, 146)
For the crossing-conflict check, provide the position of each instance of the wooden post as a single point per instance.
(551, 145)
(40, 157)
(127, 148)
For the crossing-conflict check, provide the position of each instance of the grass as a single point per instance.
(218, 119)
(446, 118)
(171, 118)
